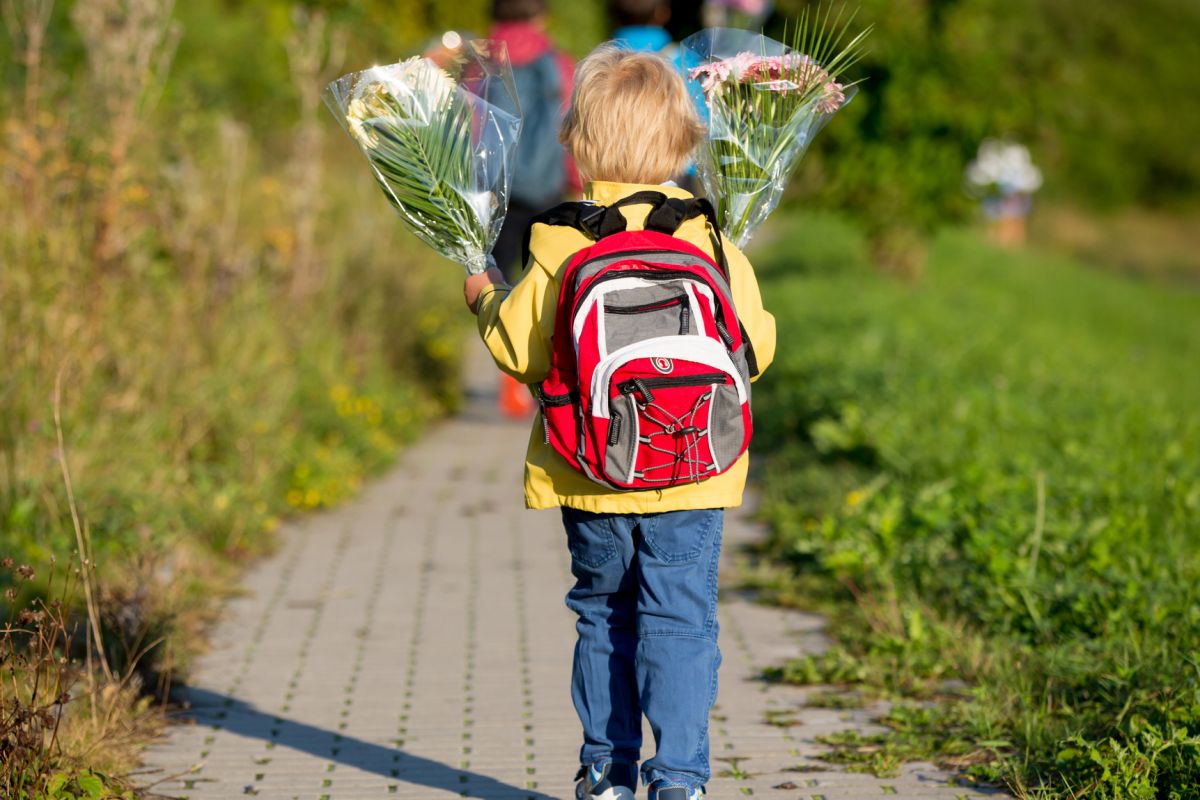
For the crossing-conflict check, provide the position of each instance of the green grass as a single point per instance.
(992, 475)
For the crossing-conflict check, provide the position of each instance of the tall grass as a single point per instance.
(201, 333)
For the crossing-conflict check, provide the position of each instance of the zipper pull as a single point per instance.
(614, 430)
(647, 395)
(725, 335)
(541, 396)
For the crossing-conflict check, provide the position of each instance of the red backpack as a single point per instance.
(649, 382)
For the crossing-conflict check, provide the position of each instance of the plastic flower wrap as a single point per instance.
(441, 141)
(764, 102)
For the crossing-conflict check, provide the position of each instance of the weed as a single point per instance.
(734, 769)
(836, 700)
(52, 711)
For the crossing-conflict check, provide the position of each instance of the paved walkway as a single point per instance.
(415, 645)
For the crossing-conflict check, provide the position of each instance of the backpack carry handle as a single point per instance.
(666, 215)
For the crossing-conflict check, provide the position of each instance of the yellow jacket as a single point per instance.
(517, 324)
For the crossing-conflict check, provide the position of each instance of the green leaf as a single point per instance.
(92, 785)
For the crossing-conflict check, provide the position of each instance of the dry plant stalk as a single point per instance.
(315, 51)
(130, 46)
(199, 215)
(27, 21)
(83, 541)
(235, 145)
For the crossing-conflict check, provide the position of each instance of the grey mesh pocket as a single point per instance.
(622, 439)
(727, 429)
(646, 312)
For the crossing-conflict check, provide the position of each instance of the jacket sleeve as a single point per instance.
(759, 323)
(516, 323)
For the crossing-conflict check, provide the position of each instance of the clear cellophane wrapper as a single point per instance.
(440, 134)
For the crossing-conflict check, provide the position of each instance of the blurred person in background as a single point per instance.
(641, 26)
(748, 14)
(543, 174)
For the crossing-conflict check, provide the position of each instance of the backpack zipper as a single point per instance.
(614, 429)
(656, 274)
(553, 400)
(642, 384)
(642, 309)
(725, 335)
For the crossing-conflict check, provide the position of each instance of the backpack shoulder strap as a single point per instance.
(666, 215)
(674, 211)
(593, 221)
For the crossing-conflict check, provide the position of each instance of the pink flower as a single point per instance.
(766, 69)
(710, 75)
(794, 72)
(833, 99)
(743, 66)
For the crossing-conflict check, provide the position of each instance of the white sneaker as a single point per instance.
(594, 784)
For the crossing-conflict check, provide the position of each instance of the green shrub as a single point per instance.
(1095, 91)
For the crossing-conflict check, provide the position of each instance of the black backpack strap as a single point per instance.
(593, 221)
(596, 221)
(668, 213)
(674, 211)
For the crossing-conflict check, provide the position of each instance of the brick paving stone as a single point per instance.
(414, 644)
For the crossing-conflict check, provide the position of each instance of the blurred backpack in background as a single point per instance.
(540, 174)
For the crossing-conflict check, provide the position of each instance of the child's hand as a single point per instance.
(477, 283)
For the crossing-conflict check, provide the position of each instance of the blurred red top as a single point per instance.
(527, 42)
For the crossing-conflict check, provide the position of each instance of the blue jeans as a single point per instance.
(646, 595)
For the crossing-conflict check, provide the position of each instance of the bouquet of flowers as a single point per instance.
(440, 138)
(1002, 169)
(764, 102)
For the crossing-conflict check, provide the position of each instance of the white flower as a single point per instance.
(403, 93)
(1006, 166)
(360, 112)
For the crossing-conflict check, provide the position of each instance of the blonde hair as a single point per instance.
(630, 120)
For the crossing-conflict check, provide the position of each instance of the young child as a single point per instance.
(644, 562)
